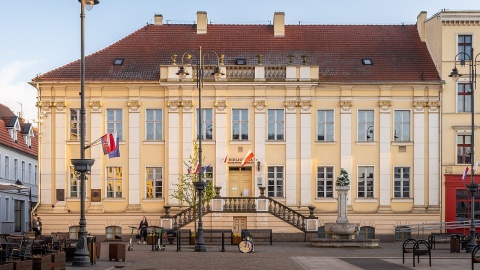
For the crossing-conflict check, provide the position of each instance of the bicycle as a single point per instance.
(130, 243)
(246, 245)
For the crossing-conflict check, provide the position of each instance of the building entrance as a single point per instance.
(240, 182)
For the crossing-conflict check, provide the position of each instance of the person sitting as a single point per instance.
(142, 230)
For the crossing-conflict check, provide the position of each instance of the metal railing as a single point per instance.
(422, 230)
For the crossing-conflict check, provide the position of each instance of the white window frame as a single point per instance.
(112, 190)
(365, 184)
(325, 124)
(115, 121)
(402, 127)
(71, 187)
(207, 124)
(74, 119)
(327, 181)
(366, 125)
(240, 124)
(400, 193)
(15, 169)
(7, 167)
(275, 190)
(154, 126)
(23, 171)
(276, 126)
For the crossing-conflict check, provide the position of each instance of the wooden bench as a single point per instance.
(475, 257)
(435, 238)
(261, 234)
(407, 247)
(218, 236)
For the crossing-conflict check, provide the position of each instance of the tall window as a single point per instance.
(74, 183)
(324, 182)
(23, 171)
(7, 167)
(464, 95)
(402, 126)
(240, 124)
(365, 182)
(29, 176)
(18, 215)
(207, 124)
(325, 125)
(464, 46)
(401, 182)
(464, 146)
(276, 124)
(154, 182)
(74, 124)
(154, 125)
(115, 122)
(35, 178)
(365, 126)
(275, 181)
(15, 169)
(114, 182)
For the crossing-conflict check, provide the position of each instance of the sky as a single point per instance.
(39, 36)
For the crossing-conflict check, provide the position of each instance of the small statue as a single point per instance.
(342, 178)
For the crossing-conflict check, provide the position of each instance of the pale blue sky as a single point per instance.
(38, 36)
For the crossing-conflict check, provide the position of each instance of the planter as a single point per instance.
(236, 240)
(6, 266)
(59, 261)
(20, 265)
(41, 263)
(116, 251)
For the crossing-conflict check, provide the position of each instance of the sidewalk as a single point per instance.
(280, 255)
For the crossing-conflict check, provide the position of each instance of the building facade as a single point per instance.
(450, 36)
(18, 172)
(308, 100)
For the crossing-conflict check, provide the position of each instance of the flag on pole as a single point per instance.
(465, 174)
(197, 169)
(116, 151)
(204, 169)
(248, 157)
(108, 142)
(225, 159)
(189, 170)
(105, 146)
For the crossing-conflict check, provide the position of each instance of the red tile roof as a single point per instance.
(5, 115)
(397, 53)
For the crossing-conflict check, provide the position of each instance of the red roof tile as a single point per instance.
(397, 53)
(5, 139)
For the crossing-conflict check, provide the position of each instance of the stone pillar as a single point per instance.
(342, 203)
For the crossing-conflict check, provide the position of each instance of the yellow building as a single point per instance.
(450, 36)
(308, 100)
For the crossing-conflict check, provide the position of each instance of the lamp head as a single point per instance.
(454, 74)
(182, 72)
(90, 2)
(217, 72)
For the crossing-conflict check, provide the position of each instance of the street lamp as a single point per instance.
(472, 188)
(200, 185)
(82, 166)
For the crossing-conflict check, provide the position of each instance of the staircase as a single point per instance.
(246, 205)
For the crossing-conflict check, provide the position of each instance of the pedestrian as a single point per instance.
(142, 230)
(35, 225)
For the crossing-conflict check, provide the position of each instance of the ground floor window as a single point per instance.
(275, 181)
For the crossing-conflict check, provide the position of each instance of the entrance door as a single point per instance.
(240, 182)
(239, 224)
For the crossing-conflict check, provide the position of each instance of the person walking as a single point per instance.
(143, 230)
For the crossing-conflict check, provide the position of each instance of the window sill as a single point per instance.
(402, 200)
(366, 143)
(75, 199)
(275, 142)
(240, 142)
(366, 200)
(328, 200)
(153, 142)
(113, 199)
(326, 142)
(153, 200)
(402, 143)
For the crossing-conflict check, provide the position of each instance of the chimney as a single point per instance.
(158, 19)
(279, 24)
(202, 22)
(421, 18)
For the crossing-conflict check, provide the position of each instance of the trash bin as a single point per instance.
(92, 249)
(455, 243)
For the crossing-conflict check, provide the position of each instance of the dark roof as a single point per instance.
(11, 121)
(397, 53)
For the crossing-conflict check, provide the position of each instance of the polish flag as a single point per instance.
(197, 169)
(225, 159)
(248, 157)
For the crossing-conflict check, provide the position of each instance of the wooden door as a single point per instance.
(240, 182)
(239, 224)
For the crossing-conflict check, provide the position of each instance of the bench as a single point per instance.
(435, 238)
(261, 234)
(422, 248)
(475, 257)
(214, 235)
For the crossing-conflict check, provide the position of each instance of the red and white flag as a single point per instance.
(225, 159)
(197, 169)
(465, 174)
(248, 157)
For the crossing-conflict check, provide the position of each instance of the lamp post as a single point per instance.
(200, 185)
(472, 188)
(82, 166)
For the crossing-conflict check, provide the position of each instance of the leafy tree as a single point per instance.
(186, 191)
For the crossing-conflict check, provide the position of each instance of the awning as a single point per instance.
(10, 186)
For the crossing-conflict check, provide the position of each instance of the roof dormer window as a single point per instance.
(28, 134)
(13, 127)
